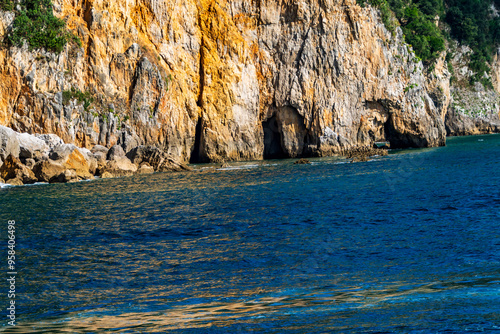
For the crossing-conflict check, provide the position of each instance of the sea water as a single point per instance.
(408, 243)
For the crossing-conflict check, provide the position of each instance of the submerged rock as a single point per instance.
(362, 154)
(302, 162)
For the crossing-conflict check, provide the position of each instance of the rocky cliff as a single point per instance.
(225, 80)
(474, 109)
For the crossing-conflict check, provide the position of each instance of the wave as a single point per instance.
(311, 302)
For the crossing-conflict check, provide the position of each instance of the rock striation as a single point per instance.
(473, 110)
(227, 80)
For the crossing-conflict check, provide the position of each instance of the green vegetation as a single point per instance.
(409, 87)
(82, 97)
(36, 24)
(168, 79)
(416, 19)
(6, 5)
(471, 22)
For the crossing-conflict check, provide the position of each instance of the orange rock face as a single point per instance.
(201, 79)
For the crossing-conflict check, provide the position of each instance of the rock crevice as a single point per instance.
(204, 80)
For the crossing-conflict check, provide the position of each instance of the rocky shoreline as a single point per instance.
(29, 159)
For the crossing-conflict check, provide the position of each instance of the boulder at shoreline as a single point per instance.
(27, 159)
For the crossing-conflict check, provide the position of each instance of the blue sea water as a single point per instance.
(408, 243)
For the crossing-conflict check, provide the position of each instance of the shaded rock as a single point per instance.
(30, 146)
(115, 152)
(302, 162)
(70, 157)
(14, 169)
(91, 160)
(67, 176)
(99, 149)
(107, 175)
(171, 165)
(158, 159)
(9, 143)
(145, 168)
(141, 154)
(2, 181)
(48, 171)
(15, 182)
(61, 151)
(51, 140)
(128, 141)
(118, 164)
(30, 163)
(100, 158)
(118, 167)
(100, 153)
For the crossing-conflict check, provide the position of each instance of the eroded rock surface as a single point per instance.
(204, 80)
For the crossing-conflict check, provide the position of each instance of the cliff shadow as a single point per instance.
(195, 153)
(272, 140)
(286, 136)
(399, 139)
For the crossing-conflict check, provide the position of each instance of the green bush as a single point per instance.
(416, 20)
(470, 22)
(82, 97)
(36, 24)
(6, 5)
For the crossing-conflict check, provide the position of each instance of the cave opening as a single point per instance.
(399, 140)
(272, 140)
(195, 154)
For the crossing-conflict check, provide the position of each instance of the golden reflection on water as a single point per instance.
(204, 315)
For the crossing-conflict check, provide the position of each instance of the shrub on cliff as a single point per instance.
(416, 20)
(36, 24)
(475, 23)
(6, 5)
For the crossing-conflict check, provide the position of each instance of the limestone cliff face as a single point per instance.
(225, 80)
(473, 110)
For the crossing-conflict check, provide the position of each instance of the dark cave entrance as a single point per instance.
(272, 140)
(195, 154)
(400, 140)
